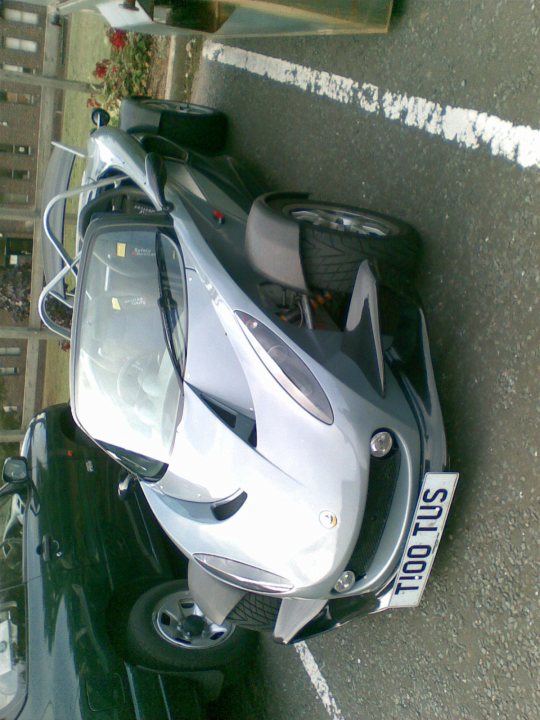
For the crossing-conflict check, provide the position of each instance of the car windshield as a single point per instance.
(12, 630)
(130, 341)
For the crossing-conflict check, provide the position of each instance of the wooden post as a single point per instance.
(69, 6)
(11, 436)
(29, 214)
(30, 381)
(44, 81)
(12, 332)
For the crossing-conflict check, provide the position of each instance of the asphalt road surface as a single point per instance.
(468, 179)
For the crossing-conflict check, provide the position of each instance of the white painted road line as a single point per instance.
(318, 681)
(468, 128)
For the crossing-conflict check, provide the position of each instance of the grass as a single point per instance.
(56, 382)
(87, 45)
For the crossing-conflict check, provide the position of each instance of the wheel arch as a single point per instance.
(273, 241)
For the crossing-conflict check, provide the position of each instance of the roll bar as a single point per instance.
(69, 264)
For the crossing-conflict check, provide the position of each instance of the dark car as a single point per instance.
(95, 617)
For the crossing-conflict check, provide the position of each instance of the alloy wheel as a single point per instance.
(180, 621)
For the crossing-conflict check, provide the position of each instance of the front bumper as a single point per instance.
(410, 360)
(301, 616)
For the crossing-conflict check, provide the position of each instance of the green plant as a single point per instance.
(8, 450)
(8, 420)
(125, 73)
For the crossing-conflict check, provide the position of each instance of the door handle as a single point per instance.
(49, 548)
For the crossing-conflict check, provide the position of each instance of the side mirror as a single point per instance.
(15, 470)
(156, 177)
(14, 474)
(100, 117)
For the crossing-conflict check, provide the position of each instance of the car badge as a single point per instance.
(328, 519)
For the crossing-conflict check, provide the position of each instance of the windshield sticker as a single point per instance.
(121, 249)
(134, 301)
(138, 251)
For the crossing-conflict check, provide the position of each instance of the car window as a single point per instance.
(12, 652)
(127, 389)
(11, 538)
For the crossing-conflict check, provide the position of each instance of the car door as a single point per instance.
(56, 531)
(73, 670)
(13, 659)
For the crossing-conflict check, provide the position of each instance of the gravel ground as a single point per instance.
(471, 650)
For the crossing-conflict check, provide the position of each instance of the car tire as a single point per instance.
(335, 239)
(193, 126)
(256, 612)
(166, 631)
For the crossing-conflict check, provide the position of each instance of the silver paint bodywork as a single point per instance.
(300, 467)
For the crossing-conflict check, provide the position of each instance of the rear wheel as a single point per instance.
(195, 126)
(335, 239)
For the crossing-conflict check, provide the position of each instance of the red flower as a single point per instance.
(91, 102)
(118, 39)
(101, 70)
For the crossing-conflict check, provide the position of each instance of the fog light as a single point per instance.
(381, 444)
(345, 582)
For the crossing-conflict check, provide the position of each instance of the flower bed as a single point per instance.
(125, 72)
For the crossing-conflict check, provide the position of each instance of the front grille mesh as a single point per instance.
(383, 474)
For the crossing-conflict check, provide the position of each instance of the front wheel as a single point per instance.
(335, 239)
(194, 126)
(167, 631)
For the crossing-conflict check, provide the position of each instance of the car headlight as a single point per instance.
(243, 576)
(287, 368)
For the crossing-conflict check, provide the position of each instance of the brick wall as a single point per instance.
(13, 384)
(22, 28)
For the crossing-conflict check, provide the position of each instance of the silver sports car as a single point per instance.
(259, 363)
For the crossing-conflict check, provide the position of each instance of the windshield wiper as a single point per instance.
(168, 308)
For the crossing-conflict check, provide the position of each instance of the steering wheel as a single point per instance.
(12, 552)
(133, 385)
(128, 381)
